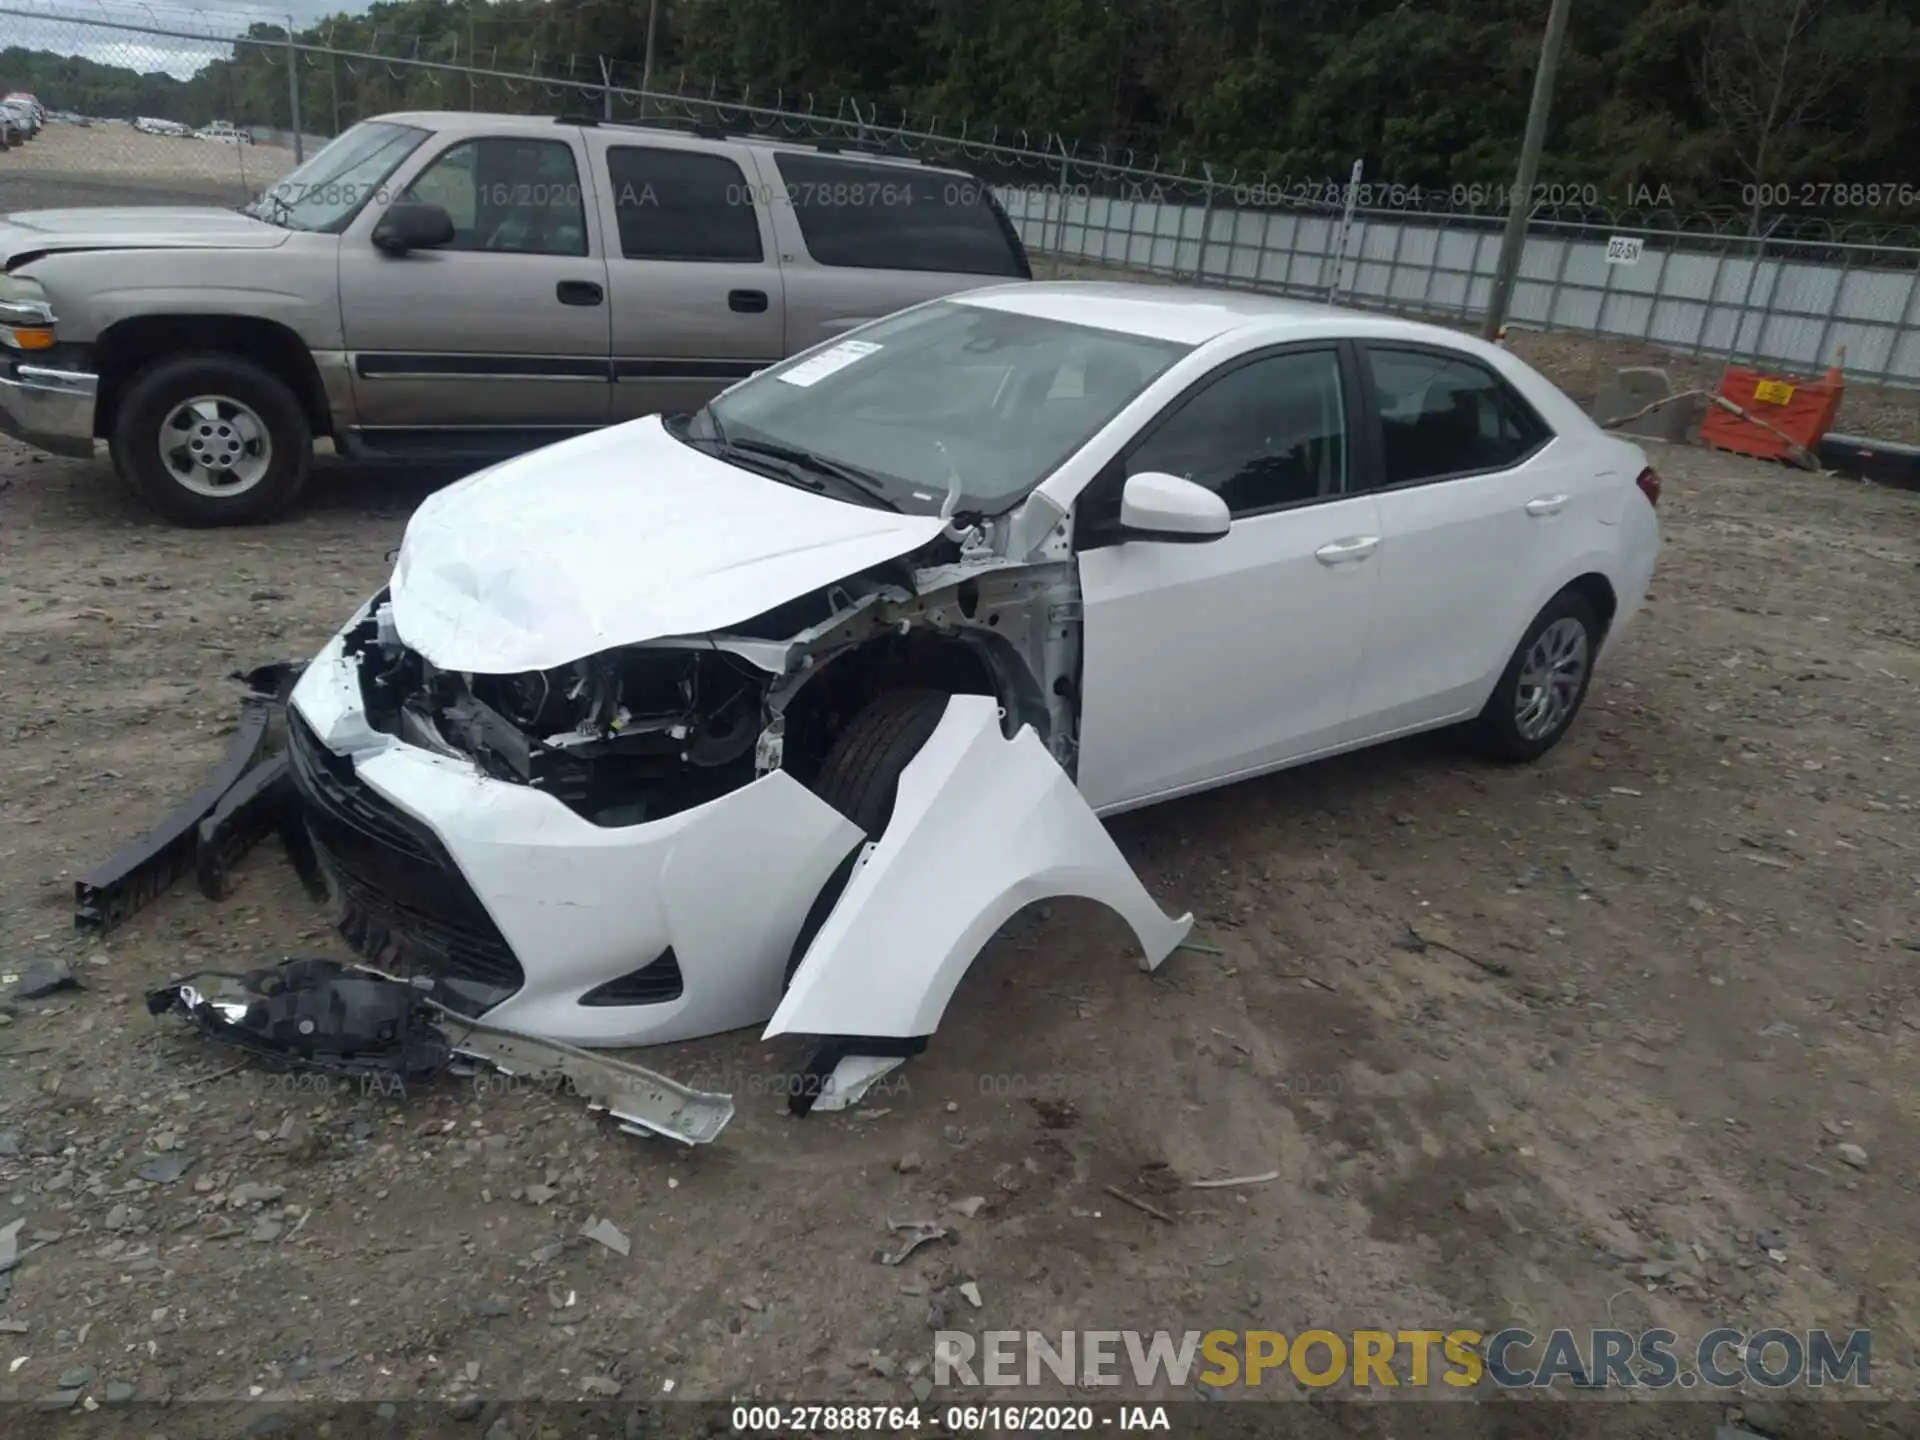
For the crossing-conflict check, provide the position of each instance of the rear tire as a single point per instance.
(861, 777)
(1545, 683)
(212, 439)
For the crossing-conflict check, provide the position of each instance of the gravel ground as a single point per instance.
(118, 165)
(1692, 933)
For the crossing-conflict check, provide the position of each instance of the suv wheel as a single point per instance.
(212, 440)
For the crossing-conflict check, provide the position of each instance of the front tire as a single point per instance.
(212, 439)
(1544, 684)
(860, 778)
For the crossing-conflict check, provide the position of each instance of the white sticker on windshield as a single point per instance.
(809, 372)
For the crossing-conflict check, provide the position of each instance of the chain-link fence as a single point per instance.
(159, 105)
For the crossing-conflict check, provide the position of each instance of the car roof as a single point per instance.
(1193, 315)
(467, 122)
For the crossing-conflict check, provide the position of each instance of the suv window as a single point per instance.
(682, 205)
(1446, 415)
(892, 217)
(1267, 433)
(520, 197)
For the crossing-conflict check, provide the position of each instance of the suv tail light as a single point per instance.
(1649, 483)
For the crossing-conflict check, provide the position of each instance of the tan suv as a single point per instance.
(453, 288)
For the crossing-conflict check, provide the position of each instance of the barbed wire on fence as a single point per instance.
(1420, 248)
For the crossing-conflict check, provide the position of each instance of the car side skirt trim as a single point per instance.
(397, 366)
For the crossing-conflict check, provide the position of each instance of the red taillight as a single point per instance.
(1649, 483)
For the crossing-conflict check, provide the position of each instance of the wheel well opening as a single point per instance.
(848, 682)
(123, 350)
(1597, 591)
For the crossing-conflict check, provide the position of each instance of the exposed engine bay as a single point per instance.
(638, 733)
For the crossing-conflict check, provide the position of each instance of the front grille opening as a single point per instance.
(654, 983)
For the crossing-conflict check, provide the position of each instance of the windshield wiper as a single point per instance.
(802, 467)
(861, 480)
(257, 209)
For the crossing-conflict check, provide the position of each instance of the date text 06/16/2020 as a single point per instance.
(952, 1419)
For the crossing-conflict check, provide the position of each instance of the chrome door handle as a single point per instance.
(1356, 547)
(1547, 505)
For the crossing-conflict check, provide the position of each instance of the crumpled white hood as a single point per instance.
(617, 538)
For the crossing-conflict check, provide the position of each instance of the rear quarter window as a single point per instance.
(895, 217)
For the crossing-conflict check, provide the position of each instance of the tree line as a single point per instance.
(1698, 102)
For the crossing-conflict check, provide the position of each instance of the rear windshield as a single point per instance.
(893, 217)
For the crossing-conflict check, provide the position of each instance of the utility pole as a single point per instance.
(293, 95)
(473, 61)
(1518, 213)
(646, 68)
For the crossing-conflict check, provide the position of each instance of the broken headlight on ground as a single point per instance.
(310, 1013)
(621, 738)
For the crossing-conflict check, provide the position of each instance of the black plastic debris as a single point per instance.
(239, 803)
(311, 1013)
(42, 978)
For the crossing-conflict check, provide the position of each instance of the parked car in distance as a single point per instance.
(146, 124)
(26, 119)
(1019, 557)
(452, 287)
(222, 132)
(13, 129)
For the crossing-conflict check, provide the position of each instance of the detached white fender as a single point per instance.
(982, 826)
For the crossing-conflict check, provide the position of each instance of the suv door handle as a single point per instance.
(1547, 505)
(578, 292)
(747, 302)
(1356, 547)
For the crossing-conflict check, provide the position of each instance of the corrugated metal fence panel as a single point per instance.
(1703, 293)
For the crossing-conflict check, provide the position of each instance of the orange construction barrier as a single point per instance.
(1804, 410)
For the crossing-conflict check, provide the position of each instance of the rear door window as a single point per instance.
(682, 205)
(896, 217)
(1443, 415)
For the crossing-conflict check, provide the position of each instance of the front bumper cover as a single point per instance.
(523, 912)
(50, 409)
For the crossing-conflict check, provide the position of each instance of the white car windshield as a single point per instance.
(948, 390)
(327, 192)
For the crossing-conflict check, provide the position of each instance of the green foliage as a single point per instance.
(1429, 93)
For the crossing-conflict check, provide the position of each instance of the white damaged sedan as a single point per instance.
(775, 713)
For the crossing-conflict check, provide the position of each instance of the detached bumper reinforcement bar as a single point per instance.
(208, 830)
(642, 1101)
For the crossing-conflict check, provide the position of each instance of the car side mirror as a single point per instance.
(1154, 506)
(410, 225)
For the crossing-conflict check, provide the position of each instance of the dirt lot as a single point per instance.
(118, 165)
(1692, 928)
(1663, 977)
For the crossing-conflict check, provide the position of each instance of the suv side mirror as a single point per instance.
(1155, 506)
(410, 225)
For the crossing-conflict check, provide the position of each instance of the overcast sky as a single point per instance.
(57, 25)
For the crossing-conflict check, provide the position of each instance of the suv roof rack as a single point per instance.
(706, 130)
